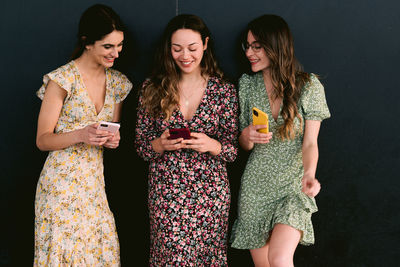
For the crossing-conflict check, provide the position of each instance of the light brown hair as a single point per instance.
(287, 76)
(160, 95)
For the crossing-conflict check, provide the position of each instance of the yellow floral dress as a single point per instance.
(73, 223)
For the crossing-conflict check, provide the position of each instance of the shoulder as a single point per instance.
(119, 82)
(220, 85)
(247, 83)
(117, 75)
(245, 78)
(250, 78)
(312, 83)
(313, 100)
(67, 70)
(313, 91)
(63, 76)
(147, 82)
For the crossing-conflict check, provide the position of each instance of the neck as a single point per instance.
(192, 77)
(266, 74)
(89, 66)
(267, 80)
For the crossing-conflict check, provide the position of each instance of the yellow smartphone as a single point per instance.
(260, 118)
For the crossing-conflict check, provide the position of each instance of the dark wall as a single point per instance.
(352, 45)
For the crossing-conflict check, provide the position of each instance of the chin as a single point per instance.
(108, 64)
(186, 71)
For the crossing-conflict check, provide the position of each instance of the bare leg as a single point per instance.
(282, 245)
(260, 256)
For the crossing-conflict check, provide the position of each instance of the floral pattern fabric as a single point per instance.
(73, 223)
(270, 190)
(189, 196)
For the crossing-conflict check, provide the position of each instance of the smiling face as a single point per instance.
(258, 60)
(187, 50)
(106, 50)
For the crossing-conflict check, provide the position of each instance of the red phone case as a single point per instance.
(179, 133)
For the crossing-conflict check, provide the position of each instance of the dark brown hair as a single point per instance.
(96, 22)
(287, 75)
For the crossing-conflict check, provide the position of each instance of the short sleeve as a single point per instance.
(244, 84)
(122, 86)
(313, 101)
(63, 76)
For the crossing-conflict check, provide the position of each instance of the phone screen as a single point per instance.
(179, 133)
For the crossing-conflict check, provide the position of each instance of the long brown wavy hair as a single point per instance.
(287, 74)
(160, 95)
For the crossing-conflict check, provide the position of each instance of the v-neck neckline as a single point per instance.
(199, 106)
(269, 107)
(93, 106)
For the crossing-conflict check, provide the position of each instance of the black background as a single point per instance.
(353, 46)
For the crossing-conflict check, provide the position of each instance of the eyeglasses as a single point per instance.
(255, 46)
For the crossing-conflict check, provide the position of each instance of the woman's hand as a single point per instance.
(202, 143)
(91, 136)
(310, 186)
(162, 143)
(250, 136)
(113, 142)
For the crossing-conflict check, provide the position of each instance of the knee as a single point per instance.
(280, 260)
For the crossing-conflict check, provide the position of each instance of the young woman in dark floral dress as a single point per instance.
(189, 193)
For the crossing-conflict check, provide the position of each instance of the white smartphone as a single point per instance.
(108, 126)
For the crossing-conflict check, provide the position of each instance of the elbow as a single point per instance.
(40, 145)
(310, 146)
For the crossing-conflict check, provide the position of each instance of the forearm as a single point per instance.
(53, 141)
(310, 159)
(117, 112)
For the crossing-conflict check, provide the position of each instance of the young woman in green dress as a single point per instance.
(278, 186)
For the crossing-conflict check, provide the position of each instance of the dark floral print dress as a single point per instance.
(189, 194)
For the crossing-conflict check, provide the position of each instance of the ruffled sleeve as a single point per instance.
(244, 84)
(121, 85)
(63, 76)
(313, 101)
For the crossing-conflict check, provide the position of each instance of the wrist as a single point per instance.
(156, 144)
(245, 142)
(308, 176)
(78, 138)
(216, 148)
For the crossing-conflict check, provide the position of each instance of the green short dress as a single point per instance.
(270, 190)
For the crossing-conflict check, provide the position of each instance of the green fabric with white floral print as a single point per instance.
(270, 190)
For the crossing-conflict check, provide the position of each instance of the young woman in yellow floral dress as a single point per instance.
(73, 223)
